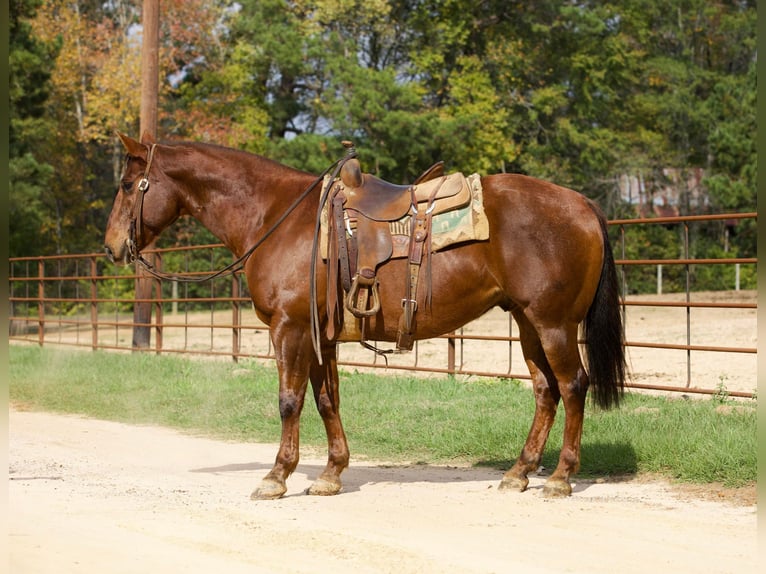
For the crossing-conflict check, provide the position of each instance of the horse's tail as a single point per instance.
(604, 335)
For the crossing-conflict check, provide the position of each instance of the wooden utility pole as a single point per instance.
(150, 66)
(150, 84)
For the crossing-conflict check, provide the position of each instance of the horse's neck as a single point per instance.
(233, 196)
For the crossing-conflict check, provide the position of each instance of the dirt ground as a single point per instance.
(89, 496)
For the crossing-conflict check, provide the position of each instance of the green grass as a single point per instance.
(482, 422)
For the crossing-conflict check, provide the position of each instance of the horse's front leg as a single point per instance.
(324, 380)
(294, 352)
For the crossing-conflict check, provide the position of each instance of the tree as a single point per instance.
(29, 90)
(580, 93)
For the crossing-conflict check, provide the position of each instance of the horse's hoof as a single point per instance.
(515, 483)
(556, 488)
(269, 490)
(324, 487)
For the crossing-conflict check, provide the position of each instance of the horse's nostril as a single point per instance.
(109, 253)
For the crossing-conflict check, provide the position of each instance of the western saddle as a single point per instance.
(362, 209)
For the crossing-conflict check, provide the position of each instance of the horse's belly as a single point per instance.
(460, 291)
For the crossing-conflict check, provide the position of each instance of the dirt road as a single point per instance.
(89, 496)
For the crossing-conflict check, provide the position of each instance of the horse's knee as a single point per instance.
(326, 406)
(290, 405)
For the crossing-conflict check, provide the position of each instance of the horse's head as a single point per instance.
(144, 205)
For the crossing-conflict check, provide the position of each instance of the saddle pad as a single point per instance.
(468, 223)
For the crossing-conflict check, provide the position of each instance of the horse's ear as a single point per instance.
(147, 138)
(134, 148)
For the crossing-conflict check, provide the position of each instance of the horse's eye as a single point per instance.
(127, 186)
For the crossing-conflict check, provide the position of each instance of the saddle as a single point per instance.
(380, 200)
(363, 212)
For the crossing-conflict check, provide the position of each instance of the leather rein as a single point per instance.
(136, 228)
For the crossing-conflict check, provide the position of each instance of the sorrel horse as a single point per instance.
(547, 261)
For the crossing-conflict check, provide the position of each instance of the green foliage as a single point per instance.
(29, 173)
(732, 145)
(28, 179)
(395, 419)
(474, 112)
(223, 105)
(652, 242)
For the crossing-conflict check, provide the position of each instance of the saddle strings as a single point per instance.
(316, 332)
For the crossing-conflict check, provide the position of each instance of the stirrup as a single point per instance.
(352, 299)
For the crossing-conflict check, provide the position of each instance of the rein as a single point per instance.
(136, 228)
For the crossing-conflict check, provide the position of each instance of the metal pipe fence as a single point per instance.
(84, 301)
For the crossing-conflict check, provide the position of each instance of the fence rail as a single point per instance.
(79, 301)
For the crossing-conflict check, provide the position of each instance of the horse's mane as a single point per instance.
(228, 151)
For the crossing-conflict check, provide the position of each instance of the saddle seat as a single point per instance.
(380, 200)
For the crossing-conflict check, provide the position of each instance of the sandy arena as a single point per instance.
(90, 496)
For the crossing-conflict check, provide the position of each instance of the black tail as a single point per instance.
(604, 335)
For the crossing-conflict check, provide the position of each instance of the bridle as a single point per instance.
(136, 221)
(136, 224)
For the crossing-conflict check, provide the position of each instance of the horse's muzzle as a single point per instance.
(117, 258)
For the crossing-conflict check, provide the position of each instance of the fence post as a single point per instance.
(688, 307)
(41, 302)
(451, 354)
(174, 296)
(158, 318)
(142, 309)
(659, 279)
(93, 303)
(623, 275)
(236, 329)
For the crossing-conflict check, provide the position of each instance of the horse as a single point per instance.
(547, 261)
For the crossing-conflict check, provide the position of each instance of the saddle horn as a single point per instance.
(351, 173)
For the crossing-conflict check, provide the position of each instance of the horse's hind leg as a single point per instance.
(564, 357)
(546, 402)
(557, 374)
(324, 380)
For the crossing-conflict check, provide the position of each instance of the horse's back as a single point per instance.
(529, 200)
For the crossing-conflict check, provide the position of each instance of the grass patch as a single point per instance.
(392, 418)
